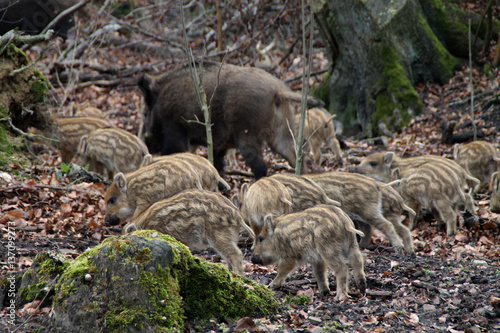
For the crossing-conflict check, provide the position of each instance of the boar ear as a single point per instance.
(494, 182)
(235, 199)
(146, 160)
(129, 228)
(269, 225)
(396, 174)
(120, 182)
(389, 158)
(243, 192)
(456, 150)
(82, 147)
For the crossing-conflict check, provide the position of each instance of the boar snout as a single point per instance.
(361, 286)
(112, 220)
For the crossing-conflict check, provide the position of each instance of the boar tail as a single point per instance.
(247, 228)
(356, 231)
(472, 179)
(393, 183)
(409, 210)
(286, 202)
(332, 202)
(223, 182)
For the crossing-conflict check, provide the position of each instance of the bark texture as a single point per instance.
(379, 50)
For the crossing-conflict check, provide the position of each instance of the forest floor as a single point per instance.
(450, 284)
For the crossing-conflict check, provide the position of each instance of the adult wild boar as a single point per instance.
(249, 107)
(32, 16)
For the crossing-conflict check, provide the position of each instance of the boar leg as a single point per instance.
(316, 151)
(175, 140)
(382, 224)
(367, 230)
(413, 204)
(231, 253)
(357, 263)
(251, 150)
(285, 266)
(341, 271)
(219, 162)
(447, 215)
(403, 232)
(320, 273)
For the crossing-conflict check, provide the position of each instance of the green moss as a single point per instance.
(211, 291)
(163, 293)
(188, 289)
(17, 55)
(447, 61)
(323, 90)
(457, 27)
(297, 300)
(41, 274)
(396, 100)
(33, 292)
(123, 315)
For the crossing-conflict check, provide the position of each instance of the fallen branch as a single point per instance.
(22, 133)
(14, 36)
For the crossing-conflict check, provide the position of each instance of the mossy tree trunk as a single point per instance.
(378, 50)
(22, 94)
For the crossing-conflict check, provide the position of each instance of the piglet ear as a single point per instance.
(82, 147)
(243, 192)
(456, 150)
(146, 160)
(396, 174)
(494, 182)
(120, 182)
(389, 158)
(235, 199)
(269, 225)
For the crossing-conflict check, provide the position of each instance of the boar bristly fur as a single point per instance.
(480, 159)
(319, 129)
(359, 195)
(132, 193)
(111, 150)
(432, 186)
(304, 192)
(198, 219)
(209, 176)
(249, 107)
(266, 196)
(393, 207)
(323, 236)
(495, 192)
(381, 164)
(70, 131)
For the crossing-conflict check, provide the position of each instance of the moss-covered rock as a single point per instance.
(39, 280)
(149, 282)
